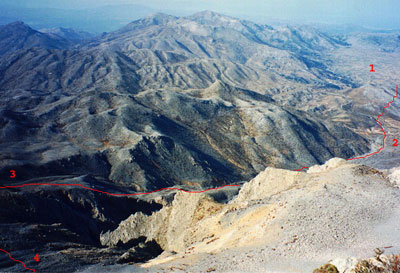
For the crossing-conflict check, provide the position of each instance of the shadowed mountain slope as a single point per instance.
(191, 103)
(18, 35)
(200, 100)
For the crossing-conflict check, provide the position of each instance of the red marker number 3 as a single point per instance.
(12, 174)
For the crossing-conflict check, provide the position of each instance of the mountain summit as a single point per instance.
(18, 35)
(168, 100)
(208, 16)
(193, 103)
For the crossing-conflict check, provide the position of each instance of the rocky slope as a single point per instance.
(169, 100)
(63, 224)
(68, 34)
(195, 102)
(281, 221)
(17, 36)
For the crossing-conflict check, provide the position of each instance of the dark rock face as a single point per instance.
(156, 104)
(63, 225)
(142, 252)
(163, 138)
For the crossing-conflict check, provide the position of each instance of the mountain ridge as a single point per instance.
(18, 35)
(115, 96)
(174, 102)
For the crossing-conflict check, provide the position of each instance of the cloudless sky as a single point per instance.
(367, 13)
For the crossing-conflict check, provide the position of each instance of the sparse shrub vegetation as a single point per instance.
(327, 268)
(378, 264)
(382, 264)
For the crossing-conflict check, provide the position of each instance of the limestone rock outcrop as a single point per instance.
(337, 208)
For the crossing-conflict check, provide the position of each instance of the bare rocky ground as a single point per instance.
(196, 102)
(281, 221)
(205, 99)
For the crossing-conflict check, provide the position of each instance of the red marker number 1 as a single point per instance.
(12, 174)
(372, 68)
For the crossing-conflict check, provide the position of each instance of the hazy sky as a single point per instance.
(369, 13)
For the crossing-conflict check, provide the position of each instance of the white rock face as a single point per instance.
(269, 182)
(330, 164)
(282, 216)
(195, 28)
(395, 177)
(345, 265)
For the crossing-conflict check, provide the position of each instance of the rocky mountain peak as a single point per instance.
(156, 19)
(16, 27)
(16, 24)
(160, 18)
(213, 18)
(194, 103)
(207, 14)
(18, 35)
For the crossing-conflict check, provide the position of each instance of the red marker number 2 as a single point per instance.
(372, 68)
(12, 174)
(396, 143)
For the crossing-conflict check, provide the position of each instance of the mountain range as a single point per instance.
(191, 102)
(167, 101)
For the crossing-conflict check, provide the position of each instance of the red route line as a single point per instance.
(299, 170)
(142, 193)
(113, 194)
(380, 124)
(15, 260)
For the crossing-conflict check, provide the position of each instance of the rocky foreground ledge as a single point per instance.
(281, 221)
